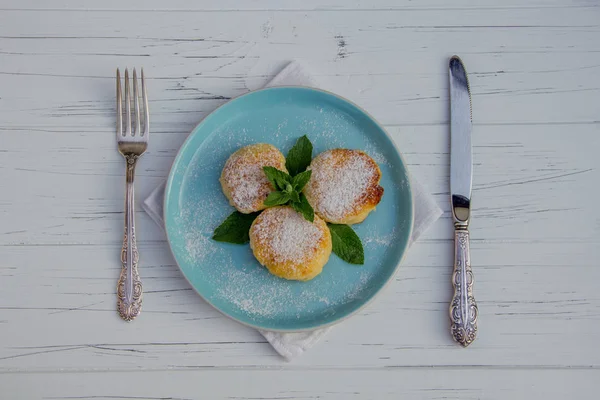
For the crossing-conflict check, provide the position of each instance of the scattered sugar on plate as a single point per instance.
(240, 289)
(373, 239)
(379, 158)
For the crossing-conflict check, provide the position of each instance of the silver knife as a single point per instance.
(463, 309)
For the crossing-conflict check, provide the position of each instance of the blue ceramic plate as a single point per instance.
(227, 275)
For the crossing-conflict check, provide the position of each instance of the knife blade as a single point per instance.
(463, 308)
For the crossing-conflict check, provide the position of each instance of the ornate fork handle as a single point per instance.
(129, 288)
(463, 309)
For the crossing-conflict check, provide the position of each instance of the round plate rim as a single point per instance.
(335, 321)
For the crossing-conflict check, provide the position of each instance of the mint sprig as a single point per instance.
(289, 191)
(288, 186)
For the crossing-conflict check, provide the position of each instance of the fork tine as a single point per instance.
(128, 103)
(146, 110)
(136, 102)
(119, 106)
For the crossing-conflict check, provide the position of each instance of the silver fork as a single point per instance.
(132, 144)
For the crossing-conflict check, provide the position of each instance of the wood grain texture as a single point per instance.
(535, 235)
(346, 384)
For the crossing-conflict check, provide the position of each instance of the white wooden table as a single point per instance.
(535, 76)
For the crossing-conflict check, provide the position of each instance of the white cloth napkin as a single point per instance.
(426, 212)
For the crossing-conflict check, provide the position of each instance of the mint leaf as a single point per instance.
(276, 199)
(346, 244)
(288, 189)
(294, 196)
(300, 180)
(303, 207)
(235, 228)
(278, 179)
(299, 156)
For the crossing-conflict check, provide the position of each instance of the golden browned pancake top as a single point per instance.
(286, 236)
(243, 178)
(288, 245)
(343, 183)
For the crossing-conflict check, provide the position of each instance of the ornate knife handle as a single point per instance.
(463, 309)
(129, 287)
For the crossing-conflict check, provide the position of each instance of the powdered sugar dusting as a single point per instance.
(265, 301)
(245, 179)
(289, 238)
(199, 247)
(340, 179)
(379, 158)
(374, 240)
(257, 301)
(357, 291)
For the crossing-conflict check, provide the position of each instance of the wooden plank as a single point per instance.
(274, 5)
(537, 69)
(461, 383)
